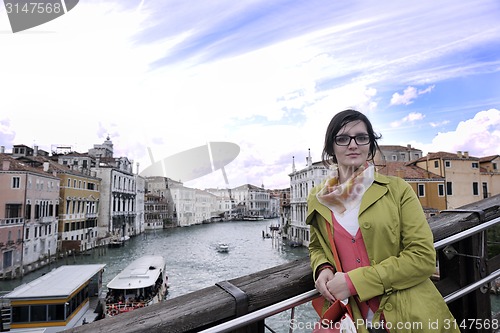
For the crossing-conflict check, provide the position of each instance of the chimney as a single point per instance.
(46, 166)
(459, 154)
(309, 159)
(2, 149)
(35, 150)
(5, 165)
(466, 154)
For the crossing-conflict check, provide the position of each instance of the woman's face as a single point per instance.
(352, 155)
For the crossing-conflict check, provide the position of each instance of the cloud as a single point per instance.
(479, 136)
(410, 118)
(440, 123)
(409, 95)
(6, 133)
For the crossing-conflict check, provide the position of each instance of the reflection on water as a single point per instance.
(193, 261)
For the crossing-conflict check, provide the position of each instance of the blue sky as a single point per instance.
(169, 76)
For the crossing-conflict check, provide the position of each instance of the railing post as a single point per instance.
(464, 266)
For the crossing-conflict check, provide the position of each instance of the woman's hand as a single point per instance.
(324, 277)
(337, 286)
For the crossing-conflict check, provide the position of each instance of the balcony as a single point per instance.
(72, 217)
(12, 221)
(46, 220)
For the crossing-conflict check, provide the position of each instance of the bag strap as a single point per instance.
(338, 265)
(318, 303)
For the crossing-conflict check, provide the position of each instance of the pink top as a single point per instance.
(352, 254)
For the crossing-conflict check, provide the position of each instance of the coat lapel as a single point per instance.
(374, 192)
(313, 205)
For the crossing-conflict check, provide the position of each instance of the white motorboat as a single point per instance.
(222, 247)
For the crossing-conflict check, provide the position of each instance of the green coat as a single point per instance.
(400, 247)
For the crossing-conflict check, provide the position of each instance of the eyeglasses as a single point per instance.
(345, 140)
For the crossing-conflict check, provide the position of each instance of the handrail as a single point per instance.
(464, 234)
(261, 314)
(251, 317)
(464, 291)
(244, 320)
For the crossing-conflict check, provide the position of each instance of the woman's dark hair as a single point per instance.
(340, 120)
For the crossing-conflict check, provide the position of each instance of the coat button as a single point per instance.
(388, 307)
(366, 225)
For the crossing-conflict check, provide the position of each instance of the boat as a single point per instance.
(115, 242)
(142, 283)
(294, 243)
(118, 241)
(253, 218)
(66, 297)
(222, 247)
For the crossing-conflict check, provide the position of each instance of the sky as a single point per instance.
(163, 77)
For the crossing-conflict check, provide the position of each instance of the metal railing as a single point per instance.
(290, 303)
(263, 313)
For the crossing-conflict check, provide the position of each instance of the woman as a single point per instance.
(381, 234)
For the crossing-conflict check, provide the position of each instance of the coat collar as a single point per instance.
(372, 194)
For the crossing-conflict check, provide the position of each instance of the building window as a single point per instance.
(475, 188)
(485, 190)
(495, 167)
(449, 188)
(13, 210)
(436, 164)
(16, 182)
(28, 211)
(475, 165)
(7, 259)
(441, 190)
(421, 190)
(447, 164)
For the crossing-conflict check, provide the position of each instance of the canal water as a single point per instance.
(193, 262)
